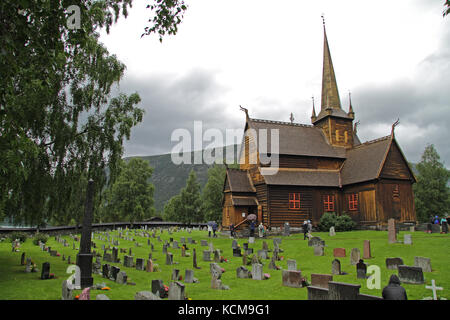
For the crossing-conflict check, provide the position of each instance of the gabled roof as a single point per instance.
(239, 181)
(297, 139)
(316, 178)
(365, 161)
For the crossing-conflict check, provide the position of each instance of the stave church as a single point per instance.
(322, 167)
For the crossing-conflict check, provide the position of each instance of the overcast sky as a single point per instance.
(394, 57)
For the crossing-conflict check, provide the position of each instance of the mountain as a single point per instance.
(169, 178)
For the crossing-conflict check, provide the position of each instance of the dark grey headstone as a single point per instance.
(393, 263)
(343, 291)
(413, 275)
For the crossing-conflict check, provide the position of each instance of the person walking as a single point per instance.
(305, 229)
(252, 229)
(214, 228)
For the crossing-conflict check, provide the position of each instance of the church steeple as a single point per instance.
(330, 93)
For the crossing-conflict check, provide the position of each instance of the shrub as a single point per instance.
(22, 236)
(340, 223)
(40, 237)
(327, 221)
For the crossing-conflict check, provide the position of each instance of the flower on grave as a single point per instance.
(166, 288)
(180, 278)
(57, 254)
(106, 288)
(77, 297)
(222, 269)
(266, 276)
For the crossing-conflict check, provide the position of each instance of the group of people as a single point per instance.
(212, 227)
(443, 222)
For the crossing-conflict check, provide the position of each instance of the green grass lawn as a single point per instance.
(15, 284)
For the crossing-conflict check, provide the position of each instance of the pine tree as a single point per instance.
(213, 193)
(191, 203)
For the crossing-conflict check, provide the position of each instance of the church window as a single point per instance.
(328, 203)
(294, 201)
(337, 135)
(353, 202)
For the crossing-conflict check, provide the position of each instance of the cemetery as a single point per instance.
(159, 264)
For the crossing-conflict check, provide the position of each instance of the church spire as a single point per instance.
(351, 113)
(330, 93)
(313, 116)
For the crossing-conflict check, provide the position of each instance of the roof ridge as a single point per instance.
(372, 142)
(283, 123)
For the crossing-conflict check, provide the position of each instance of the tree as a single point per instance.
(190, 201)
(213, 193)
(447, 10)
(59, 125)
(130, 198)
(172, 209)
(431, 193)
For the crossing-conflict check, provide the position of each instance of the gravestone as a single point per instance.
(393, 263)
(105, 271)
(22, 259)
(392, 234)
(175, 245)
(361, 270)
(263, 254)
(29, 266)
(45, 273)
(243, 273)
(216, 256)
(257, 271)
(234, 244)
(194, 259)
(122, 277)
(336, 267)
(343, 291)
(355, 255)
(128, 261)
(206, 255)
(140, 264)
(144, 295)
(158, 288)
(332, 232)
(237, 252)
(292, 279)
(292, 265)
(203, 243)
(413, 275)
(113, 272)
(265, 246)
(66, 293)
(272, 264)
(339, 252)
(316, 241)
(115, 255)
(319, 250)
(169, 258)
(251, 240)
(407, 239)
(321, 280)
(366, 250)
(435, 228)
(424, 263)
(175, 274)
(317, 293)
(84, 256)
(189, 276)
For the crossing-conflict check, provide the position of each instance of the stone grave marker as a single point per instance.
(339, 253)
(45, 273)
(113, 272)
(158, 288)
(243, 273)
(286, 229)
(292, 279)
(204, 243)
(319, 250)
(194, 260)
(321, 280)
(366, 250)
(169, 258)
(392, 234)
(343, 291)
(434, 288)
(332, 232)
(122, 277)
(393, 263)
(263, 254)
(175, 274)
(336, 267)
(189, 276)
(292, 265)
(206, 255)
(355, 255)
(140, 264)
(67, 292)
(316, 241)
(407, 239)
(408, 274)
(424, 263)
(257, 271)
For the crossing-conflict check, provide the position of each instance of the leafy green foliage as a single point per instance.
(171, 209)
(22, 236)
(59, 125)
(130, 198)
(213, 193)
(431, 193)
(340, 223)
(42, 237)
(190, 201)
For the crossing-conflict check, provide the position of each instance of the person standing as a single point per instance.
(261, 230)
(394, 291)
(252, 229)
(209, 230)
(444, 225)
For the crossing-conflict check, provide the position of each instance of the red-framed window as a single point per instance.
(353, 202)
(328, 203)
(294, 201)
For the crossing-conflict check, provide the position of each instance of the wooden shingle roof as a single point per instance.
(313, 178)
(239, 181)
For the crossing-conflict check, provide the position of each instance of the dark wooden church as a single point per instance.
(322, 167)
